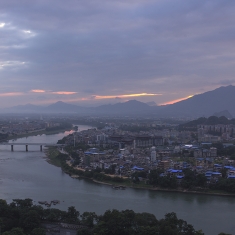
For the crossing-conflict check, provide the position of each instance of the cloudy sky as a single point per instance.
(90, 52)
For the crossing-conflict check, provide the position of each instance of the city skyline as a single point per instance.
(91, 53)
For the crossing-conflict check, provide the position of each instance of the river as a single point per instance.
(28, 175)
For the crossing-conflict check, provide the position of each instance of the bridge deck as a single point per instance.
(44, 144)
(30, 144)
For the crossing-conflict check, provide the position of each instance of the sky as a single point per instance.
(95, 52)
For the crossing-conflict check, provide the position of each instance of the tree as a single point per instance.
(168, 181)
(38, 231)
(201, 180)
(154, 176)
(189, 179)
(171, 225)
(14, 231)
(89, 219)
(76, 161)
(30, 220)
(224, 234)
(54, 215)
(84, 231)
(146, 219)
(115, 223)
(23, 203)
(72, 215)
(223, 172)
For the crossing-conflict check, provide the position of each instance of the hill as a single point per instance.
(205, 104)
(212, 120)
(131, 107)
(224, 113)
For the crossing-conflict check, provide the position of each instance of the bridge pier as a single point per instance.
(40, 145)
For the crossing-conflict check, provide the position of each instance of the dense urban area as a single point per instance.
(158, 154)
(196, 155)
(148, 153)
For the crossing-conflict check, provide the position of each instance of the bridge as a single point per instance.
(28, 144)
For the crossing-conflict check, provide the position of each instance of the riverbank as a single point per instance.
(166, 190)
(28, 175)
(51, 156)
(53, 152)
(40, 132)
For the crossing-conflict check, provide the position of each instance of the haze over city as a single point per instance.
(91, 53)
(117, 117)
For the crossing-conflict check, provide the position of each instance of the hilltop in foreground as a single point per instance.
(22, 217)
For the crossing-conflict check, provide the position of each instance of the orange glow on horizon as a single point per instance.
(64, 92)
(177, 100)
(11, 94)
(38, 91)
(99, 97)
(69, 99)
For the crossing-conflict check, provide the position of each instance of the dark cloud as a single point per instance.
(117, 47)
(89, 91)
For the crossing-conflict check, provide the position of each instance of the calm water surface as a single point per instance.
(28, 175)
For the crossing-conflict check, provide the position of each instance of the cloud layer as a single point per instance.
(76, 49)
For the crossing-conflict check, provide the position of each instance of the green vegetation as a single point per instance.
(48, 131)
(192, 181)
(60, 159)
(224, 151)
(227, 185)
(90, 122)
(3, 137)
(21, 217)
(78, 146)
(70, 148)
(42, 132)
(213, 120)
(55, 156)
(62, 126)
(90, 174)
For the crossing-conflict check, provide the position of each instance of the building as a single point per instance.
(153, 154)
(213, 152)
(163, 165)
(148, 141)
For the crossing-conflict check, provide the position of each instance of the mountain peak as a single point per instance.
(205, 104)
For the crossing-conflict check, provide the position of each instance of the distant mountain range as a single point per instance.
(217, 102)
(205, 104)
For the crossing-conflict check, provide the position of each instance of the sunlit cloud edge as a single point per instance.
(177, 100)
(11, 94)
(98, 97)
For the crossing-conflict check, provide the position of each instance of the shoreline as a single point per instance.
(41, 132)
(166, 190)
(150, 188)
(143, 188)
(74, 176)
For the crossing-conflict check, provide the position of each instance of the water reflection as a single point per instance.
(28, 175)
